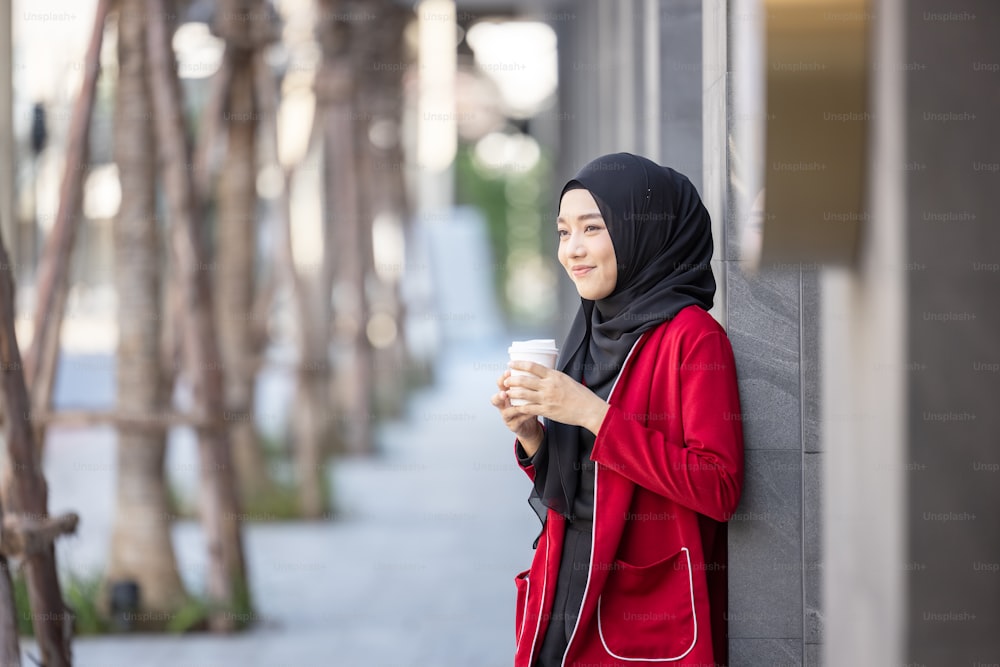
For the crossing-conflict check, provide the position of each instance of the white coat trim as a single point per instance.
(694, 614)
(593, 535)
(524, 607)
(538, 625)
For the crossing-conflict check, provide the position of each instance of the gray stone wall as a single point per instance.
(774, 565)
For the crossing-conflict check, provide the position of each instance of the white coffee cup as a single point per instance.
(540, 350)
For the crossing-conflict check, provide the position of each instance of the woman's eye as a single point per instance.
(591, 228)
(561, 233)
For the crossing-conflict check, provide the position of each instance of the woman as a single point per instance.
(639, 459)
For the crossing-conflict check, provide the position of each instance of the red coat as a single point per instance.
(669, 471)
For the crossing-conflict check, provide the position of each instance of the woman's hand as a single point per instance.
(553, 394)
(524, 425)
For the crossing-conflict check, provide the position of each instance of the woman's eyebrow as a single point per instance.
(585, 216)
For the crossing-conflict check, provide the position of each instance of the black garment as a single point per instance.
(570, 587)
(662, 239)
(583, 502)
(571, 583)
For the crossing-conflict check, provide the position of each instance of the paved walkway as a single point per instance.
(416, 572)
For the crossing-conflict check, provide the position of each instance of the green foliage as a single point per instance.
(177, 506)
(490, 191)
(192, 616)
(24, 625)
(486, 192)
(81, 594)
(242, 610)
(280, 502)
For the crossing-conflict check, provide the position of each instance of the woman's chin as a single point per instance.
(591, 294)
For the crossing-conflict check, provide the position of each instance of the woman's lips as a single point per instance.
(582, 270)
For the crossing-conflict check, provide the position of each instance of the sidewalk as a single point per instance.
(417, 571)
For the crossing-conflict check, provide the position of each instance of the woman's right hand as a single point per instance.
(526, 427)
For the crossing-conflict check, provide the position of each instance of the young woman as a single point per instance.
(638, 459)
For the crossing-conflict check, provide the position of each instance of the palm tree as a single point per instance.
(226, 581)
(141, 550)
(380, 102)
(236, 234)
(347, 223)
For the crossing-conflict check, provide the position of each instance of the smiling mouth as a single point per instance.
(582, 270)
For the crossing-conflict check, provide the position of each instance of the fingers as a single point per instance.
(498, 399)
(529, 367)
(524, 393)
(527, 381)
(515, 416)
(527, 410)
(501, 401)
(500, 381)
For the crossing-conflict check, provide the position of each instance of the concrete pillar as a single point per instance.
(772, 320)
(863, 340)
(911, 367)
(650, 62)
(680, 85)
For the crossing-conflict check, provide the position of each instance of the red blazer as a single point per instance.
(669, 472)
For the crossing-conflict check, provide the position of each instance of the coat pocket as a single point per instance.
(647, 612)
(520, 611)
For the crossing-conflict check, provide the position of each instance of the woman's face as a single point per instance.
(585, 248)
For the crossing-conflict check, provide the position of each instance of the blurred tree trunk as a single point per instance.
(311, 424)
(53, 270)
(227, 587)
(236, 238)
(313, 411)
(141, 549)
(10, 646)
(28, 492)
(24, 489)
(347, 231)
(380, 101)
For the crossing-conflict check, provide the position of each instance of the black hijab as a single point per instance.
(662, 236)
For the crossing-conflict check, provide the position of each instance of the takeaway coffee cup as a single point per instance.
(541, 351)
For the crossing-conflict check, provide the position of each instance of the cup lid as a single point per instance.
(545, 344)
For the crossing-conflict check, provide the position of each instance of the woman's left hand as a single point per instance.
(553, 394)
